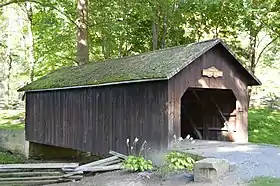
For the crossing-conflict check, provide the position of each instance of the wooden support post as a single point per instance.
(205, 127)
(198, 134)
(241, 123)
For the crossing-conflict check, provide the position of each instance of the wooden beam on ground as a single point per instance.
(99, 162)
(24, 174)
(111, 162)
(102, 168)
(28, 182)
(122, 156)
(10, 170)
(72, 177)
(39, 166)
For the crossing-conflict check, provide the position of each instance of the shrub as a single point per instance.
(179, 161)
(136, 162)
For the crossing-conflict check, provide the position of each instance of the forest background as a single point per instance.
(39, 36)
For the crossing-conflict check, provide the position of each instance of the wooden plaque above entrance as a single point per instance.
(212, 72)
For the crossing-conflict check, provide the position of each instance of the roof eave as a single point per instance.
(97, 85)
(255, 80)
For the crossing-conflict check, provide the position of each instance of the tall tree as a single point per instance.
(82, 32)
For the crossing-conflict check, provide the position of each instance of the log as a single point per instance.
(99, 162)
(10, 170)
(68, 176)
(39, 166)
(76, 177)
(111, 162)
(122, 156)
(33, 182)
(102, 168)
(24, 174)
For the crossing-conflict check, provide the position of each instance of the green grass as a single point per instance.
(8, 158)
(265, 181)
(11, 119)
(264, 126)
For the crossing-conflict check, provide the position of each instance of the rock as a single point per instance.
(210, 169)
(232, 167)
(189, 177)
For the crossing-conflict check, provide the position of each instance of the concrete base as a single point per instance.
(14, 140)
(210, 169)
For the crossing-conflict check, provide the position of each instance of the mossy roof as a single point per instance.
(160, 64)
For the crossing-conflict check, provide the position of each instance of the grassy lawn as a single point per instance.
(8, 158)
(265, 181)
(264, 126)
(11, 119)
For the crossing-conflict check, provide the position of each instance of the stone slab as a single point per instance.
(210, 169)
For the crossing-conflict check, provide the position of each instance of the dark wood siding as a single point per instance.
(99, 119)
(191, 76)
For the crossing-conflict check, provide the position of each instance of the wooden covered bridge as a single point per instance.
(198, 89)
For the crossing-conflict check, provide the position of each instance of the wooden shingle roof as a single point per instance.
(156, 65)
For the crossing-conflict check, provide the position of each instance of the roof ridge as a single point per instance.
(158, 64)
(195, 56)
(149, 52)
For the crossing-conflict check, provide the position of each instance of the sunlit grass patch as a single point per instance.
(264, 126)
(265, 181)
(11, 119)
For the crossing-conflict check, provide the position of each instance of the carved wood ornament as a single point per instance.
(212, 72)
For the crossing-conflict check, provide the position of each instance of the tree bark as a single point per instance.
(82, 32)
(252, 55)
(10, 62)
(31, 58)
(155, 35)
(164, 31)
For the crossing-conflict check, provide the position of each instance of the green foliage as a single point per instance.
(124, 28)
(137, 164)
(265, 181)
(264, 126)
(179, 161)
(8, 158)
(136, 161)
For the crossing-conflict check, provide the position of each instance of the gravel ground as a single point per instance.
(250, 161)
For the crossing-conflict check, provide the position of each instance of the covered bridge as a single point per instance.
(198, 89)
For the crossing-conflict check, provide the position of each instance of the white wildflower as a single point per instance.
(136, 140)
(188, 136)
(180, 139)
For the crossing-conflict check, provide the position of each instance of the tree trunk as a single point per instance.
(155, 35)
(31, 58)
(164, 31)
(252, 55)
(82, 32)
(10, 62)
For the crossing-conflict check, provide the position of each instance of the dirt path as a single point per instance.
(250, 161)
